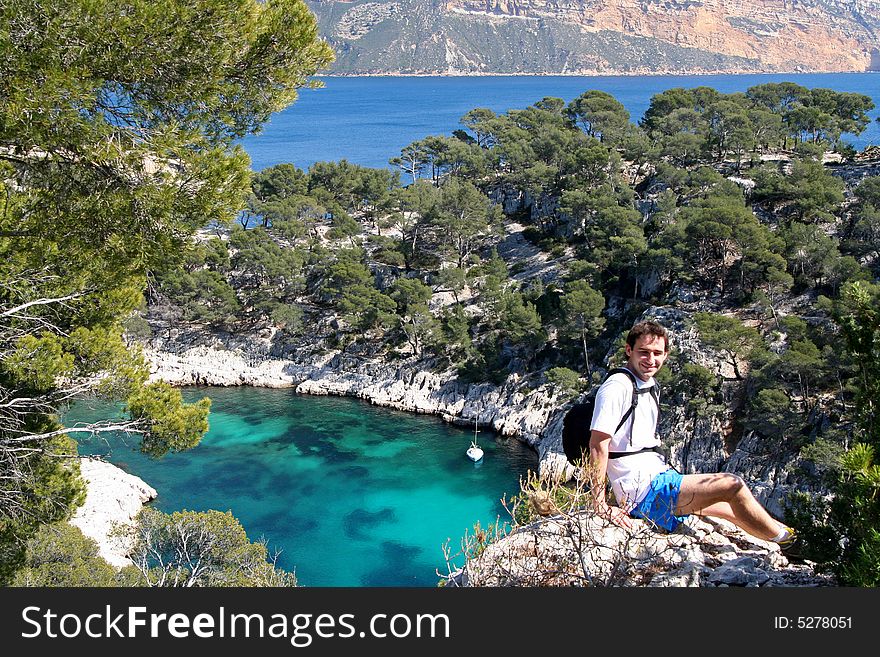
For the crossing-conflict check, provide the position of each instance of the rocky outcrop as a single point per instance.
(114, 498)
(582, 550)
(589, 37)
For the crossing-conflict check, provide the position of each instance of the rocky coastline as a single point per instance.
(193, 356)
(196, 358)
(114, 497)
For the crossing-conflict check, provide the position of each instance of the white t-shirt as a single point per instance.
(631, 475)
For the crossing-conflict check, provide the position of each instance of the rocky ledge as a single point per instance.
(114, 497)
(583, 550)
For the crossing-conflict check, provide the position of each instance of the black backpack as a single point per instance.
(576, 423)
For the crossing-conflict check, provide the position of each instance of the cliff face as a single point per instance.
(599, 37)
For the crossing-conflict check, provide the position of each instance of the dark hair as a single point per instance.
(648, 327)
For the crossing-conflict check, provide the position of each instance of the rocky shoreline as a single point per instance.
(532, 415)
(192, 358)
(114, 497)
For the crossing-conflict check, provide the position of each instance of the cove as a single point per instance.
(351, 494)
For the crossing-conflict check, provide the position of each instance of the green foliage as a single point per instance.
(702, 124)
(280, 181)
(859, 319)
(203, 295)
(700, 385)
(38, 361)
(842, 533)
(600, 115)
(210, 548)
(344, 227)
(825, 454)
(416, 320)
(482, 122)
(810, 252)
(264, 261)
(118, 128)
(808, 194)
(452, 279)
(770, 413)
(456, 332)
(171, 424)
(730, 336)
(61, 555)
(388, 251)
(862, 236)
(349, 284)
(421, 328)
(582, 315)
(408, 292)
(567, 381)
(855, 514)
(485, 362)
(345, 270)
(519, 321)
(42, 489)
(805, 361)
(137, 328)
(718, 226)
(288, 317)
(366, 308)
(464, 219)
(117, 101)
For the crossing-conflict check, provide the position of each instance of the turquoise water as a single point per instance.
(367, 120)
(351, 493)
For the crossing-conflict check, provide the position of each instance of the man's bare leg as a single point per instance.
(726, 496)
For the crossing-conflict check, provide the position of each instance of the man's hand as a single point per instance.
(615, 515)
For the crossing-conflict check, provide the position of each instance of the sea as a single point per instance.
(368, 120)
(345, 492)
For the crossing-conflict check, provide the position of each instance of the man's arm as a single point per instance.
(599, 442)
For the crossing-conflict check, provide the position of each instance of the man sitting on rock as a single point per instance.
(643, 484)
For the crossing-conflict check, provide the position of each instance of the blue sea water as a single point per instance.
(367, 120)
(352, 494)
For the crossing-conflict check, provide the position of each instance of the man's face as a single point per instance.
(647, 356)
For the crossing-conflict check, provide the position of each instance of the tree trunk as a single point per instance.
(586, 356)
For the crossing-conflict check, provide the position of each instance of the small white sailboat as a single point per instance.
(475, 452)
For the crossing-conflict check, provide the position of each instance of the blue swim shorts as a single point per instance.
(658, 506)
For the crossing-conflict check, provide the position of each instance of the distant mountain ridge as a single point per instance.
(590, 37)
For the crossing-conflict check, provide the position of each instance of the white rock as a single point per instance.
(582, 550)
(113, 496)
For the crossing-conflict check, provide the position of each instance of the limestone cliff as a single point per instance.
(586, 37)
